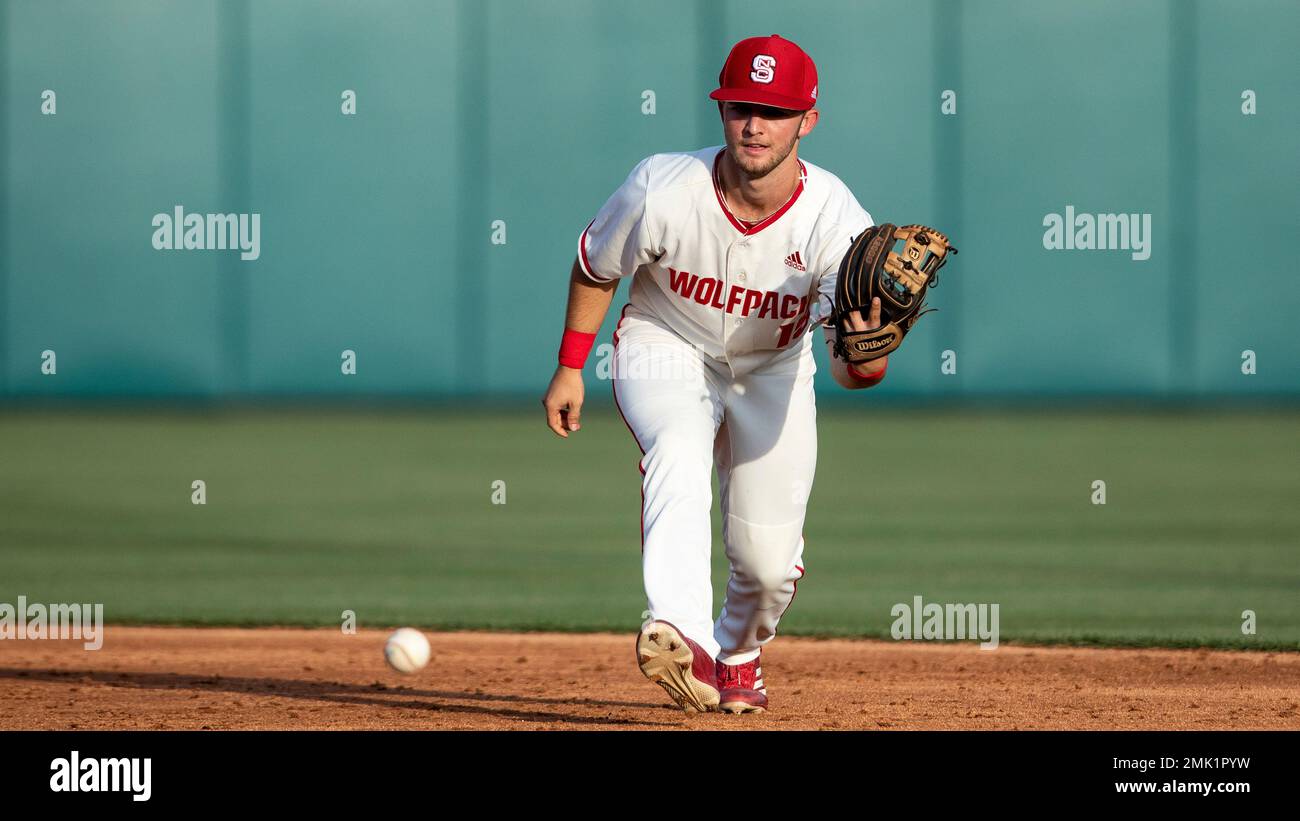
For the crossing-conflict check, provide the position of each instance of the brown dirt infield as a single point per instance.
(273, 678)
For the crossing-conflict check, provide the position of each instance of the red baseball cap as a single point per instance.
(768, 71)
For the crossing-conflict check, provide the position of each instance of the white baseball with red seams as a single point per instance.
(715, 365)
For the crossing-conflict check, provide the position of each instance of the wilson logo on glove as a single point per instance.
(870, 345)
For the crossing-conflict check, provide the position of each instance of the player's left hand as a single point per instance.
(853, 321)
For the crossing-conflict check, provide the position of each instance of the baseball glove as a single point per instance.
(873, 268)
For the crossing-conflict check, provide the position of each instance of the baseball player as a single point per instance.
(733, 252)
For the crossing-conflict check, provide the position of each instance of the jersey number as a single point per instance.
(792, 330)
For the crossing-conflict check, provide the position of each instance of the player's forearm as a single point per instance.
(588, 302)
(840, 372)
(869, 375)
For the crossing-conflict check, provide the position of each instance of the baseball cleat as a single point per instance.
(741, 688)
(680, 666)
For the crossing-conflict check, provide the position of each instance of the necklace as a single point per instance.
(751, 223)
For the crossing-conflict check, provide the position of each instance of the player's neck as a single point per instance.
(751, 199)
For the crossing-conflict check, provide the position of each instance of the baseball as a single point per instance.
(406, 650)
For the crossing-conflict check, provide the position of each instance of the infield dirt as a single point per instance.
(288, 678)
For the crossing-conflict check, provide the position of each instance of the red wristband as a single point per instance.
(574, 348)
(868, 377)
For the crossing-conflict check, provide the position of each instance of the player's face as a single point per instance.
(760, 137)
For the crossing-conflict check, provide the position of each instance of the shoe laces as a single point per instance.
(737, 675)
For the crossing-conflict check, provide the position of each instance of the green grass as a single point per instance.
(389, 514)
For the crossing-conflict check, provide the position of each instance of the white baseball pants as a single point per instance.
(688, 415)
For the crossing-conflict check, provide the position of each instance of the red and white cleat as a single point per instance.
(677, 664)
(741, 688)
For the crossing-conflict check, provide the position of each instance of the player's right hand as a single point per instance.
(563, 401)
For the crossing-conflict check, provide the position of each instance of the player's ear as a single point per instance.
(809, 122)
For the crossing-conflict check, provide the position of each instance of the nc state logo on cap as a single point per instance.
(769, 71)
(764, 65)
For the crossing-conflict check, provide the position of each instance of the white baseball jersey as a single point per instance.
(746, 296)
